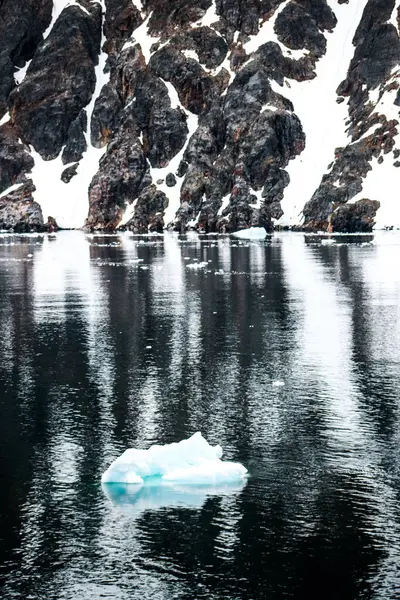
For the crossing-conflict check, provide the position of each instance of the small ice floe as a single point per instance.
(191, 461)
(196, 266)
(278, 383)
(252, 233)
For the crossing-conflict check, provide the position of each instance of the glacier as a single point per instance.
(191, 461)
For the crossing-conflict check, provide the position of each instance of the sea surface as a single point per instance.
(286, 352)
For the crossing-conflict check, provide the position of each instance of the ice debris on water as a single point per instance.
(196, 266)
(191, 461)
(252, 233)
(278, 383)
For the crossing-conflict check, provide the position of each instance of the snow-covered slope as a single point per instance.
(200, 114)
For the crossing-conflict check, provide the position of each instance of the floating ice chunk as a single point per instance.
(210, 471)
(190, 461)
(196, 266)
(252, 233)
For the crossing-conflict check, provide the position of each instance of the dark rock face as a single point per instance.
(55, 89)
(355, 218)
(301, 22)
(76, 141)
(199, 108)
(15, 160)
(109, 191)
(21, 27)
(19, 212)
(69, 173)
(149, 211)
(105, 116)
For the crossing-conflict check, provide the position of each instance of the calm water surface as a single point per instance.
(286, 352)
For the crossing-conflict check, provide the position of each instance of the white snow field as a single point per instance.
(191, 461)
(313, 101)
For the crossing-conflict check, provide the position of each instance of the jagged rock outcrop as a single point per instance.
(373, 68)
(197, 110)
(59, 81)
(21, 30)
(19, 212)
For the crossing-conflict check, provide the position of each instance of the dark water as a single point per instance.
(100, 352)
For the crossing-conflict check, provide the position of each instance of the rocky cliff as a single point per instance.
(205, 114)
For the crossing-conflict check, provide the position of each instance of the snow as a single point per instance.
(68, 203)
(138, 4)
(20, 74)
(191, 54)
(10, 189)
(173, 95)
(312, 101)
(267, 34)
(208, 19)
(382, 183)
(189, 461)
(225, 202)
(142, 37)
(5, 119)
(128, 214)
(252, 233)
(174, 193)
(258, 194)
(393, 16)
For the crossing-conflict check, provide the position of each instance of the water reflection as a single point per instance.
(155, 495)
(114, 341)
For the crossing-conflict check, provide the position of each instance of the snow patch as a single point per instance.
(5, 119)
(174, 193)
(393, 16)
(128, 214)
(382, 183)
(10, 189)
(142, 37)
(312, 101)
(267, 34)
(173, 95)
(209, 18)
(68, 203)
(225, 202)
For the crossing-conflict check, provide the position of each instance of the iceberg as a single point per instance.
(191, 461)
(252, 233)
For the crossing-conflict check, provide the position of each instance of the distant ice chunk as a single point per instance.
(191, 461)
(278, 383)
(252, 233)
(197, 266)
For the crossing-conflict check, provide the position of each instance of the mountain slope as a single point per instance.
(208, 114)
